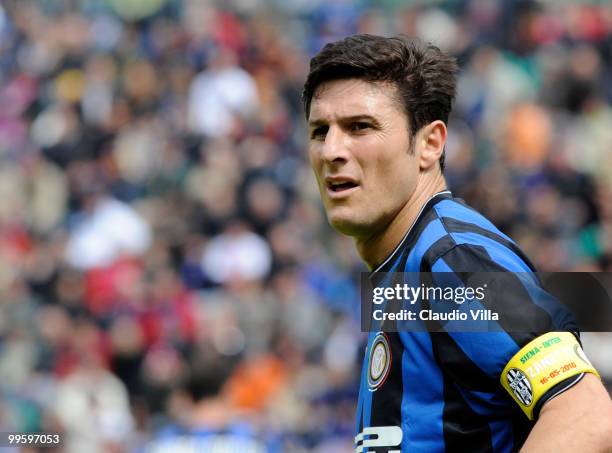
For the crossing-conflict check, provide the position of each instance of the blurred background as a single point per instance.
(166, 270)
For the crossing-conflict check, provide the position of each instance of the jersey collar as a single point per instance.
(426, 207)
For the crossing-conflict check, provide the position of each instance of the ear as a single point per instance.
(431, 139)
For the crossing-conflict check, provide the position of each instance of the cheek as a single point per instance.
(394, 176)
(389, 169)
(315, 161)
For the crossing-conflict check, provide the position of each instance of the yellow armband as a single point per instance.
(543, 363)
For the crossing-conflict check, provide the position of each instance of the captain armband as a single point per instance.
(542, 364)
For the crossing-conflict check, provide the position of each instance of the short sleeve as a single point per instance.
(533, 350)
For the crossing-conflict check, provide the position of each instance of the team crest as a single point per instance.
(379, 361)
(520, 385)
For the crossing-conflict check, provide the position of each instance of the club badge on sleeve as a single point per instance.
(379, 361)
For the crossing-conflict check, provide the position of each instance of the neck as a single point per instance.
(214, 413)
(376, 247)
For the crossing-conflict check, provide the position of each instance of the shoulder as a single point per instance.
(447, 226)
(468, 241)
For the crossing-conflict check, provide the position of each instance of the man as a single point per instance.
(377, 110)
(204, 419)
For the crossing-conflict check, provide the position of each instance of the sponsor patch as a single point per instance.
(386, 437)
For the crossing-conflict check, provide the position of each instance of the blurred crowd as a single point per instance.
(166, 270)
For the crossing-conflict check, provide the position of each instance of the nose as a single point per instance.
(335, 148)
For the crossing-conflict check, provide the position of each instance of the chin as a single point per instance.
(347, 225)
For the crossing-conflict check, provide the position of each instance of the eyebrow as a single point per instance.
(344, 119)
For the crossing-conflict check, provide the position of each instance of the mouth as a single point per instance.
(341, 187)
(337, 188)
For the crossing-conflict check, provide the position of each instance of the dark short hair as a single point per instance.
(424, 75)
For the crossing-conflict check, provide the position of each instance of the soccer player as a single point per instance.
(377, 110)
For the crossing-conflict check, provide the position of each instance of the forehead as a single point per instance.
(337, 99)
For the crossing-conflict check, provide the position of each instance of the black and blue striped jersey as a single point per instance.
(440, 391)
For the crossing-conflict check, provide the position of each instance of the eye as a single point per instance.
(318, 133)
(358, 126)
